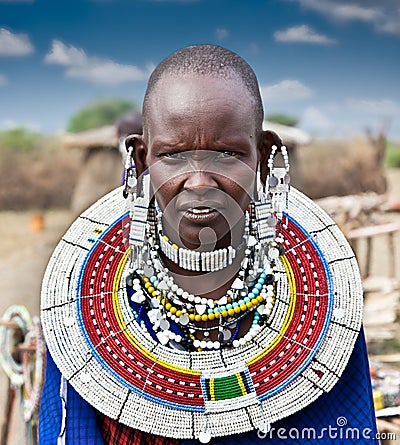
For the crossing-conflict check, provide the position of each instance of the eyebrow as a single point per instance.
(160, 144)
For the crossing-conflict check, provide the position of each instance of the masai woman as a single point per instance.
(205, 300)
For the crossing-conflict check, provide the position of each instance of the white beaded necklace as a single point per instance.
(187, 259)
(197, 261)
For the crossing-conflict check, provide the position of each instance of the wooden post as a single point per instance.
(6, 420)
(368, 255)
(392, 266)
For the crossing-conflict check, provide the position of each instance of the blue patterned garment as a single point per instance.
(343, 416)
(81, 422)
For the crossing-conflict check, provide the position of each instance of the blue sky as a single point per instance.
(334, 64)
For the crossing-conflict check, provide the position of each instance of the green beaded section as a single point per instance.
(223, 388)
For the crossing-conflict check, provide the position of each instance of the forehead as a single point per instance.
(200, 100)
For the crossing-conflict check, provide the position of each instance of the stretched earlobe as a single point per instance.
(267, 140)
(135, 165)
(135, 145)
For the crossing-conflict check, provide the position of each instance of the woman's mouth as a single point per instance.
(200, 210)
(201, 213)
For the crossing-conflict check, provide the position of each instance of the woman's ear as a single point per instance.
(268, 138)
(139, 152)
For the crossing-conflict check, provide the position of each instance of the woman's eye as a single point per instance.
(175, 156)
(226, 154)
(185, 156)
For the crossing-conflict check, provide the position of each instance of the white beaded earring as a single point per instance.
(278, 181)
(265, 223)
(137, 192)
(130, 181)
(273, 200)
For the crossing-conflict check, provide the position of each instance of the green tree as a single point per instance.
(99, 113)
(282, 119)
(19, 138)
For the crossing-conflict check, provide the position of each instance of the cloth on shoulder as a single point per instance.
(345, 415)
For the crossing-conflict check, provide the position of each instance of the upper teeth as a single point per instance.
(203, 210)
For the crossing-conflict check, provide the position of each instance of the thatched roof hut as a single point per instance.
(103, 137)
(289, 135)
(107, 136)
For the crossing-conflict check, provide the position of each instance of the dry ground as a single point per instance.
(23, 258)
(24, 255)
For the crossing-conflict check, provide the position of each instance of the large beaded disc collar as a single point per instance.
(298, 354)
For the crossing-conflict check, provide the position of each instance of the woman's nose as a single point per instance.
(200, 181)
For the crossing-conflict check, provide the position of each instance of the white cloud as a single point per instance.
(383, 15)
(14, 44)
(107, 72)
(9, 124)
(285, 91)
(221, 33)
(3, 80)
(315, 120)
(101, 71)
(342, 9)
(355, 12)
(350, 116)
(62, 54)
(383, 107)
(302, 34)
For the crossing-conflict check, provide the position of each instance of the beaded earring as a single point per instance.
(263, 221)
(270, 205)
(130, 181)
(278, 186)
(137, 192)
(278, 181)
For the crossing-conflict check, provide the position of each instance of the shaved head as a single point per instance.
(211, 61)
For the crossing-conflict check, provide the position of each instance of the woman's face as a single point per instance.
(202, 154)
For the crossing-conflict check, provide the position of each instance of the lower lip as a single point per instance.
(202, 217)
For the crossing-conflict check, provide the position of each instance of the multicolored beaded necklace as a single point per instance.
(177, 316)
